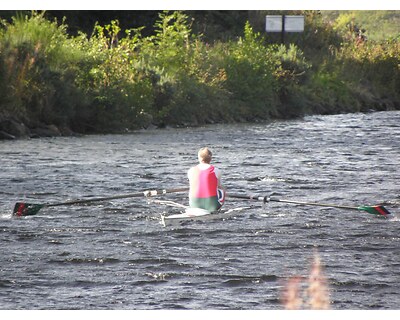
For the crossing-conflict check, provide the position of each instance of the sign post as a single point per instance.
(283, 24)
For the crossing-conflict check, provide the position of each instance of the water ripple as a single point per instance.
(116, 255)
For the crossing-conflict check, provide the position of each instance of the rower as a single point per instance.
(205, 190)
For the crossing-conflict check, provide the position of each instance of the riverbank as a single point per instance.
(12, 128)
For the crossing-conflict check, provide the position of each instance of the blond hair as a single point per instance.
(205, 155)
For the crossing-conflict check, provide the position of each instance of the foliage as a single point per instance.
(249, 68)
(119, 93)
(356, 74)
(115, 80)
(38, 69)
(379, 25)
(375, 66)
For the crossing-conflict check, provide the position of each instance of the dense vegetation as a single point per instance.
(116, 79)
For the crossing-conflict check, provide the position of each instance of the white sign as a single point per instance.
(289, 24)
(294, 23)
(273, 24)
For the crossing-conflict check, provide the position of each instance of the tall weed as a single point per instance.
(39, 60)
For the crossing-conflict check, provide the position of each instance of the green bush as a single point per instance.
(119, 94)
(250, 77)
(39, 67)
(377, 63)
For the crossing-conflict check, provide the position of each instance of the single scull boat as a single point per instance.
(195, 214)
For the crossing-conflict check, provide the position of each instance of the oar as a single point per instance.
(30, 209)
(376, 209)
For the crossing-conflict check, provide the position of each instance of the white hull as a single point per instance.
(195, 214)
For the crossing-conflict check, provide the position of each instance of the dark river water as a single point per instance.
(116, 255)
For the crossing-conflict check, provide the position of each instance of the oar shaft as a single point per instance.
(248, 197)
(148, 193)
(267, 199)
(314, 204)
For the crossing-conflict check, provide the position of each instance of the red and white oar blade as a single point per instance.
(377, 210)
(26, 209)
